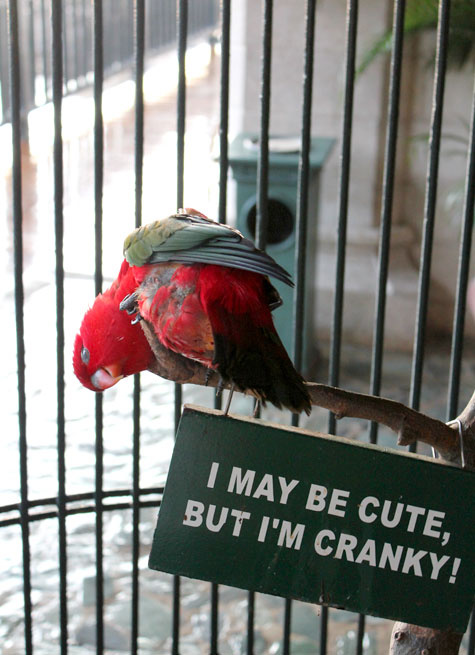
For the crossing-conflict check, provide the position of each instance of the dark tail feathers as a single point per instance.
(265, 369)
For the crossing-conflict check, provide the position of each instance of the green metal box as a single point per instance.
(282, 208)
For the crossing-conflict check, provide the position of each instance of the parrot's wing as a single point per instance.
(212, 253)
(192, 239)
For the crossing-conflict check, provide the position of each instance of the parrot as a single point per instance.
(107, 346)
(205, 289)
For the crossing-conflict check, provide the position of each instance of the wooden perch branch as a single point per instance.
(407, 423)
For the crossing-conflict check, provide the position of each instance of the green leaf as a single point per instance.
(422, 15)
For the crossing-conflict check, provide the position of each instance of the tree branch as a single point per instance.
(407, 423)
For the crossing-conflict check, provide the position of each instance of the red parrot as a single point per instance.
(108, 347)
(205, 290)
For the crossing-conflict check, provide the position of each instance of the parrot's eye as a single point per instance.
(85, 355)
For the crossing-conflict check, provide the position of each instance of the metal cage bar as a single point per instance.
(463, 273)
(225, 17)
(303, 183)
(343, 197)
(303, 177)
(262, 215)
(387, 204)
(224, 108)
(351, 33)
(57, 62)
(139, 46)
(262, 181)
(182, 33)
(430, 202)
(461, 301)
(98, 279)
(471, 638)
(15, 91)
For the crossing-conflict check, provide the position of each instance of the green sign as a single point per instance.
(321, 519)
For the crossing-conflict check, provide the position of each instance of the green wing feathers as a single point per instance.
(193, 239)
(140, 244)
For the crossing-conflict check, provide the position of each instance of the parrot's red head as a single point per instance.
(108, 347)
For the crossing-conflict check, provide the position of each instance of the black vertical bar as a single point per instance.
(135, 517)
(262, 214)
(99, 455)
(302, 186)
(182, 32)
(351, 29)
(430, 202)
(139, 30)
(287, 627)
(182, 21)
(223, 180)
(15, 82)
(251, 610)
(463, 274)
(57, 68)
(224, 108)
(176, 616)
(98, 190)
(139, 41)
(214, 622)
(385, 227)
(301, 230)
(387, 204)
(262, 183)
(337, 321)
(323, 630)
(360, 634)
(471, 636)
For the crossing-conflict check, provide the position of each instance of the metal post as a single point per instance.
(15, 94)
(387, 204)
(430, 203)
(98, 191)
(57, 68)
(337, 322)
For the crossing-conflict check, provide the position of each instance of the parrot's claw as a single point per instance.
(208, 377)
(257, 409)
(137, 318)
(129, 303)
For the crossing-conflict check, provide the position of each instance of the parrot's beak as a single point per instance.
(106, 376)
